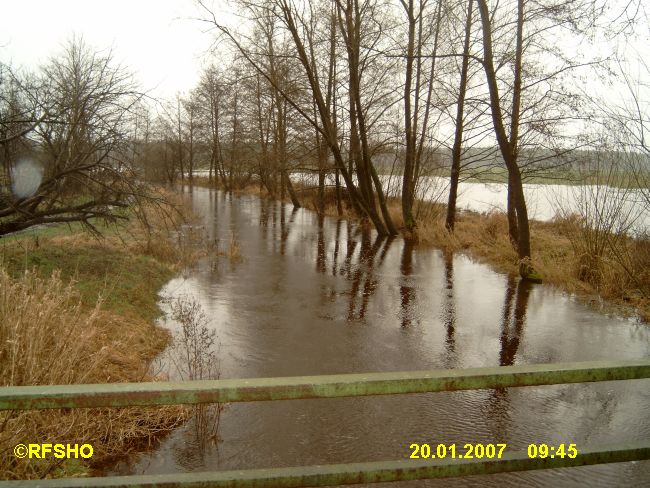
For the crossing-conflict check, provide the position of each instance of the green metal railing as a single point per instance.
(329, 386)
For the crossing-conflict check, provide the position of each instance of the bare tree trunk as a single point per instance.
(191, 128)
(263, 126)
(321, 156)
(292, 192)
(511, 213)
(180, 138)
(458, 136)
(353, 41)
(508, 146)
(233, 148)
(409, 156)
(339, 205)
(321, 184)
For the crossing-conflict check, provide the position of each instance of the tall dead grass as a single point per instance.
(48, 337)
(619, 275)
(56, 331)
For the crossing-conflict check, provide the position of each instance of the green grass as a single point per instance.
(63, 229)
(72, 468)
(555, 176)
(127, 282)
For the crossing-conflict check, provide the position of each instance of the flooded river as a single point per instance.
(323, 296)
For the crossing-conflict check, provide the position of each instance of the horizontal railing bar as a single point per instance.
(328, 386)
(348, 474)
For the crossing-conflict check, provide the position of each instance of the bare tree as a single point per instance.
(630, 122)
(417, 98)
(192, 127)
(530, 99)
(77, 168)
(459, 124)
(508, 141)
(211, 94)
(300, 30)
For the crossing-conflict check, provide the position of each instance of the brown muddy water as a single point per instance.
(323, 296)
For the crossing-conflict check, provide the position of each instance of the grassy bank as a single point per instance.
(79, 309)
(566, 253)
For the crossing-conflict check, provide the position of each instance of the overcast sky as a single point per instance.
(157, 39)
(154, 38)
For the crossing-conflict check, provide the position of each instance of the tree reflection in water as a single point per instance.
(337, 245)
(363, 279)
(359, 272)
(285, 228)
(513, 318)
(406, 289)
(320, 246)
(449, 311)
(513, 321)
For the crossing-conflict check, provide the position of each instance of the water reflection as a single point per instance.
(363, 282)
(285, 227)
(193, 355)
(449, 311)
(513, 322)
(264, 215)
(358, 268)
(351, 246)
(286, 310)
(337, 245)
(320, 250)
(406, 289)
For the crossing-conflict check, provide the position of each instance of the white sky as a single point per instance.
(154, 38)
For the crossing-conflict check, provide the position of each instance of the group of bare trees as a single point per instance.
(229, 127)
(65, 132)
(352, 93)
(333, 81)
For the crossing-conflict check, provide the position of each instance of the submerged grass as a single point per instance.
(79, 309)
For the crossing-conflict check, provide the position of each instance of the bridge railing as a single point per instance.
(330, 386)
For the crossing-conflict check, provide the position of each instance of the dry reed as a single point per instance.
(48, 337)
(93, 328)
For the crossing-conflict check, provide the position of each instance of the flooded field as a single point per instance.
(323, 296)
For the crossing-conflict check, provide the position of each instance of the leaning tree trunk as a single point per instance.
(292, 192)
(509, 146)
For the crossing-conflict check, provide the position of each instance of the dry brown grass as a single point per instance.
(155, 221)
(77, 309)
(49, 337)
(622, 280)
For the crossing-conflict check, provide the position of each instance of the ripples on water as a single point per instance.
(323, 296)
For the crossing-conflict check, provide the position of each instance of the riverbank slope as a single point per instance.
(78, 308)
